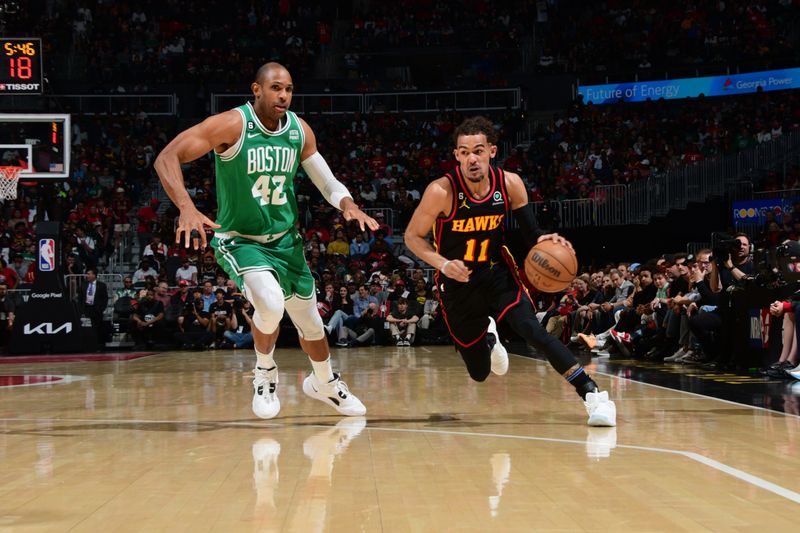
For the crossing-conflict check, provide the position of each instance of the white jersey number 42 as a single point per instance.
(269, 190)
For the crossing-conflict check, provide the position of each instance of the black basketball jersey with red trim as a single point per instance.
(474, 230)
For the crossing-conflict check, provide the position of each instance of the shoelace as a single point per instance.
(262, 377)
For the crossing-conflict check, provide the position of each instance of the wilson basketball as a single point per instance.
(551, 267)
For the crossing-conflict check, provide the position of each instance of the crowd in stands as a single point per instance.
(137, 47)
(144, 44)
(111, 169)
(675, 309)
(205, 309)
(386, 160)
(602, 145)
(483, 42)
(618, 40)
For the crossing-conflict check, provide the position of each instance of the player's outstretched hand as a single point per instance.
(556, 238)
(193, 220)
(350, 211)
(456, 270)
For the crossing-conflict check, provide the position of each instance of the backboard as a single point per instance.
(38, 142)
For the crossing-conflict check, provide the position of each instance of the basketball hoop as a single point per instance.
(9, 179)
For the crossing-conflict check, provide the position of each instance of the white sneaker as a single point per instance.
(499, 353)
(794, 372)
(334, 393)
(676, 356)
(693, 358)
(601, 354)
(602, 411)
(265, 398)
(602, 337)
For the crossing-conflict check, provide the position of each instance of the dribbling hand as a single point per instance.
(193, 220)
(455, 270)
(556, 238)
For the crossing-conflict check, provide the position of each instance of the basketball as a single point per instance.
(551, 267)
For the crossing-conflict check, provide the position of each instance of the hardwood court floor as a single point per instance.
(169, 443)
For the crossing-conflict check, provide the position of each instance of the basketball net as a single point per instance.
(9, 179)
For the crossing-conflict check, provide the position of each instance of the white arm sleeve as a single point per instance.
(321, 175)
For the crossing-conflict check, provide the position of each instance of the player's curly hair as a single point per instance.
(475, 126)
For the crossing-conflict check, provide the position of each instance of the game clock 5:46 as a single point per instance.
(20, 65)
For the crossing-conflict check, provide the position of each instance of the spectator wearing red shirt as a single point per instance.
(121, 208)
(318, 228)
(147, 219)
(8, 275)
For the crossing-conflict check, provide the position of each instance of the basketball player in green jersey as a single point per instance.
(257, 149)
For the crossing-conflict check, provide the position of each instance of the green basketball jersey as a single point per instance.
(255, 177)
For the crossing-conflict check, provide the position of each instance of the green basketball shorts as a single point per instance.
(283, 257)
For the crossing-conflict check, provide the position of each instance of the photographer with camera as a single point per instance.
(193, 326)
(732, 260)
(241, 325)
(730, 264)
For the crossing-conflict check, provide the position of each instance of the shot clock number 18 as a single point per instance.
(20, 65)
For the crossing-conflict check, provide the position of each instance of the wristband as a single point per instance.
(444, 265)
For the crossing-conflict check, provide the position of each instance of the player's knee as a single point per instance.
(266, 296)
(305, 317)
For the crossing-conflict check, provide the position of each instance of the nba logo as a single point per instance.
(47, 255)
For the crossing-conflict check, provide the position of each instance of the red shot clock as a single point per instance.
(20, 65)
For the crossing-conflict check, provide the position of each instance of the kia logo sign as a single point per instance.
(46, 328)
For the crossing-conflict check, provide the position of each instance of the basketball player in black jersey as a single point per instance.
(477, 276)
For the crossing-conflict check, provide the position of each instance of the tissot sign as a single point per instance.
(49, 322)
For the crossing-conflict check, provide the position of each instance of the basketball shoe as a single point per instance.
(589, 340)
(265, 400)
(602, 411)
(499, 353)
(678, 355)
(623, 342)
(334, 393)
(793, 372)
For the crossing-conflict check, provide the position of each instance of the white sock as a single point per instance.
(265, 360)
(322, 369)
